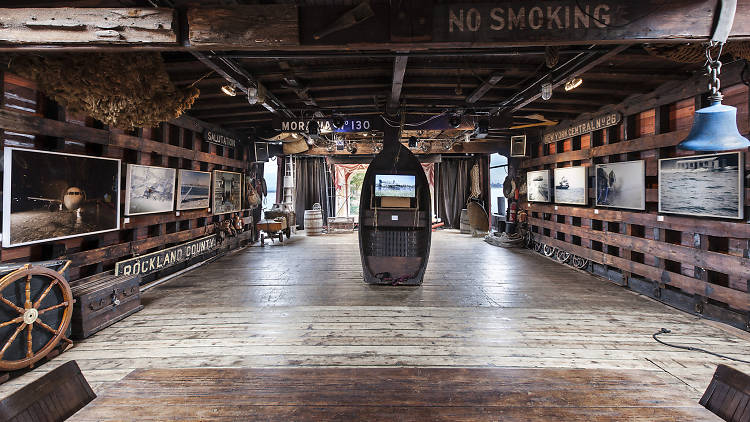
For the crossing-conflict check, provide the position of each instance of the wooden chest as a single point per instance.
(102, 300)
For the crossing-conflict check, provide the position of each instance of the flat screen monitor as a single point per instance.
(398, 185)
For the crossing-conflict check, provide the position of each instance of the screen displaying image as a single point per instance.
(395, 185)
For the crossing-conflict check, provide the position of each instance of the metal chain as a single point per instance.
(713, 68)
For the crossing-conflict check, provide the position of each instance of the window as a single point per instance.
(498, 171)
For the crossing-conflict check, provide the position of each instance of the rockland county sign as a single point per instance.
(160, 260)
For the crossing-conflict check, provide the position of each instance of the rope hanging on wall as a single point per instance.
(696, 52)
(123, 90)
(476, 189)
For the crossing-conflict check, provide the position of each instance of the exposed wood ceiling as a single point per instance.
(363, 84)
(476, 82)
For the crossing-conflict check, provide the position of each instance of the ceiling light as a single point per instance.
(454, 120)
(573, 84)
(252, 95)
(546, 91)
(313, 129)
(229, 90)
(338, 122)
(295, 136)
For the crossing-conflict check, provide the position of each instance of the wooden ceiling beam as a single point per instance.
(399, 71)
(293, 28)
(89, 26)
(480, 91)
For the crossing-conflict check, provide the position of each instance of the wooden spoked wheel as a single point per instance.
(36, 306)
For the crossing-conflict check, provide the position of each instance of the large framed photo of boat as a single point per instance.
(571, 186)
(621, 185)
(227, 195)
(538, 186)
(149, 190)
(702, 185)
(52, 195)
(193, 189)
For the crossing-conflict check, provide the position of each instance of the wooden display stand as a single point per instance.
(394, 232)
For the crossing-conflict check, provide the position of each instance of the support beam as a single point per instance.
(484, 88)
(259, 25)
(69, 25)
(227, 68)
(399, 70)
(532, 92)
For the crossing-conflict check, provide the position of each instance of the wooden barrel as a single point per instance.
(314, 221)
(465, 226)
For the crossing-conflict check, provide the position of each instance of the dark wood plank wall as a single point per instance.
(29, 120)
(697, 264)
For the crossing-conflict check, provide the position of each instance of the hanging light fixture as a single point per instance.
(573, 83)
(229, 90)
(546, 91)
(714, 127)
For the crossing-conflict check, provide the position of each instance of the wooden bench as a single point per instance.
(54, 397)
(728, 395)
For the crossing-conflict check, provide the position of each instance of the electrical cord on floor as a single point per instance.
(694, 349)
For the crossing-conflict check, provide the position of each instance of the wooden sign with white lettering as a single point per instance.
(582, 126)
(566, 21)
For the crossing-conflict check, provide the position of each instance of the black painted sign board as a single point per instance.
(581, 127)
(157, 261)
(350, 125)
(219, 138)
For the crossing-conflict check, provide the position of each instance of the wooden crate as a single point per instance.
(102, 300)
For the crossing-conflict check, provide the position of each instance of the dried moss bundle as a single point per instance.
(696, 52)
(123, 90)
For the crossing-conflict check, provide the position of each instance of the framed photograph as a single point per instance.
(149, 189)
(227, 196)
(193, 189)
(571, 186)
(51, 195)
(538, 186)
(703, 185)
(621, 185)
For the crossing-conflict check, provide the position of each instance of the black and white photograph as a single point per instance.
(227, 192)
(51, 195)
(193, 189)
(149, 189)
(538, 186)
(571, 184)
(621, 185)
(702, 185)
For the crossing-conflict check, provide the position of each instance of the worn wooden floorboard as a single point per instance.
(304, 304)
(403, 394)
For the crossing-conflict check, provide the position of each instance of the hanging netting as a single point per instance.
(123, 90)
(696, 52)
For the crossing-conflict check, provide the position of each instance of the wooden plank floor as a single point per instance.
(304, 305)
(395, 394)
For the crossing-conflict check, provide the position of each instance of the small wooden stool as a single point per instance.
(728, 395)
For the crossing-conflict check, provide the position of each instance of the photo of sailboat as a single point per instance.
(538, 186)
(571, 185)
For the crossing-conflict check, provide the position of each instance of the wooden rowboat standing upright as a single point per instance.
(394, 216)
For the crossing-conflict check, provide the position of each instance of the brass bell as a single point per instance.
(714, 129)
